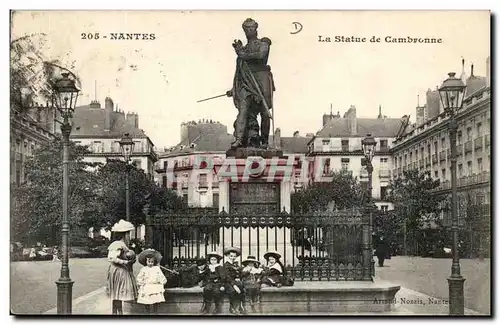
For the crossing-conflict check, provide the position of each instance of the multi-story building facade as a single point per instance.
(427, 148)
(337, 146)
(29, 130)
(200, 186)
(101, 129)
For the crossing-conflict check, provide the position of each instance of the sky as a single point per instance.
(191, 58)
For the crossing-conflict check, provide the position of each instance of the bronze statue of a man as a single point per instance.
(253, 88)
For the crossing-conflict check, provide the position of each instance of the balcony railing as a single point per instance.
(468, 147)
(384, 173)
(421, 163)
(442, 155)
(415, 165)
(478, 143)
(363, 173)
(185, 184)
(427, 162)
(487, 140)
(434, 159)
(203, 184)
(483, 177)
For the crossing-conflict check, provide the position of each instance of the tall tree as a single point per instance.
(344, 191)
(112, 186)
(416, 205)
(36, 213)
(31, 71)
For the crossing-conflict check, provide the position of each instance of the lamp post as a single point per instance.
(127, 147)
(64, 100)
(368, 144)
(452, 94)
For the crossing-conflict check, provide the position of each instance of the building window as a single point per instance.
(137, 146)
(345, 164)
(469, 134)
(436, 174)
(215, 200)
(411, 157)
(384, 208)
(460, 170)
(443, 174)
(345, 145)
(479, 129)
(469, 168)
(459, 137)
(395, 160)
(185, 198)
(97, 146)
(326, 167)
(164, 182)
(383, 163)
(435, 147)
(480, 165)
(443, 143)
(429, 150)
(383, 192)
(383, 144)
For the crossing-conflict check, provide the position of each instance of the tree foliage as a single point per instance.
(32, 72)
(37, 204)
(96, 195)
(344, 191)
(416, 206)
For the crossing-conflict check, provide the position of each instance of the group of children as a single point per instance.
(240, 284)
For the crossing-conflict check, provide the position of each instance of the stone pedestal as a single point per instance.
(239, 153)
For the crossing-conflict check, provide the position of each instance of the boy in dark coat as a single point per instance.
(233, 282)
(252, 277)
(212, 278)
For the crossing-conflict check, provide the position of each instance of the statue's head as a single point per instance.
(250, 27)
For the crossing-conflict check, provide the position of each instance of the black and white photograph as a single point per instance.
(250, 163)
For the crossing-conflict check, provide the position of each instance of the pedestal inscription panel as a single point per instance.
(254, 198)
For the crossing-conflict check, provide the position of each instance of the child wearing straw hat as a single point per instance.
(121, 285)
(252, 276)
(234, 283)
(151, 281)
(274, 273)
(212, 282)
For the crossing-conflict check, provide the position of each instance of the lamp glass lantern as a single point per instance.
(65, 96)
(127, 146)
(369, 145)
(452, 93)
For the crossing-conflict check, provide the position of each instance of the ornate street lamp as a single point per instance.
(368, 144)
(127, 146)
(452, 93)
(64, 100)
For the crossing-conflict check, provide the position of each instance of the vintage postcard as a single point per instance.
(250, 163)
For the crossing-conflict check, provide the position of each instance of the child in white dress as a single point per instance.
(151, 281)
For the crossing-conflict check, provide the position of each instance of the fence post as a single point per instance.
(367, 246)
(148, 236)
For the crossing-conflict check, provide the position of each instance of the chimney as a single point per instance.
(352, 120)
(296, 134)
(95, 105)
(379, 111)
(108, 110)
(472, 70)
(277, 138)
(132, 119)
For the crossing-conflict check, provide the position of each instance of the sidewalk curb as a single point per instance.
(80, 299)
